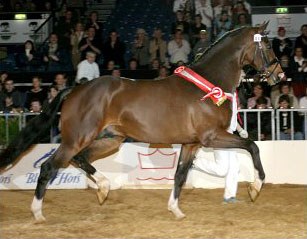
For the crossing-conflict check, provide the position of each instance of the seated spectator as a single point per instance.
(133, 64)
(204, 8)
(10, 96)
(52, 93)
(94, 22)
(241, 21)
(179, 5)
(155, 64)
(265, 121)
(181, 24)
(9, 106)
(87, 69)
(298, 67)
(157, 46)
(285, 121)
(28, 59)
(116, 72)
(60, 81)
(301, 41)
(303, 100)
(285, 65)
(90, 43)
(282, 45)
(35, 106)
(285, 89)
(56, 56)
(3, 76)
(36, 92)
(222, 6)
(140, 48)
(75, 38)
(239, 9)
(110, 65)
(114, 49)
(257, 93)
(163, 73)
(202, 44)
(196, 27)
(178, 49)
(223, 24)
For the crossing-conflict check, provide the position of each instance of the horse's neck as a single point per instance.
(222, 69)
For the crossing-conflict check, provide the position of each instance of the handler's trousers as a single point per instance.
(225, 165)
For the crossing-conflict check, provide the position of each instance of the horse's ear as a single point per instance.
(263, 26)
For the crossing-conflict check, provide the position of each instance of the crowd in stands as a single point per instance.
(86, 48)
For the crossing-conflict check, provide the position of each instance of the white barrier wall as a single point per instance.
(137, 165)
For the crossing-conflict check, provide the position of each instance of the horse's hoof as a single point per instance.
(177, 212)
(39, 219)
(101, 195)
(252, 192)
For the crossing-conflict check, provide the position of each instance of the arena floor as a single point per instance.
(280, 212)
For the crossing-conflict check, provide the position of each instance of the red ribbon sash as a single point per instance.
(216, 94)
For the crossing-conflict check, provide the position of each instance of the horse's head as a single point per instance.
(260, 55)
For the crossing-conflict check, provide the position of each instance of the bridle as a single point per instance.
(264, 72)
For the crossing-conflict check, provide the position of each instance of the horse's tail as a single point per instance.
(35, 129)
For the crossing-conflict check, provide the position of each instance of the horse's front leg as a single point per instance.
(186, 158)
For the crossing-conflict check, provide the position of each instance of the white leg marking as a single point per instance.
(103, 186)
(173, 206)
(36, 209)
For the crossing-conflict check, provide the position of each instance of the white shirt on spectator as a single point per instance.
(178, 53)
(87, 70)
(205, 11)
(179, 5)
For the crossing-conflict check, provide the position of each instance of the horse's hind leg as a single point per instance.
(98, 149)
(227, 140)
(49, 170)
(186, 158)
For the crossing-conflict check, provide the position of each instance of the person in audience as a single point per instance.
(204, 8)
(35, 106)
(56, 56)
(60, 81)
(285, 120)
(265, 121)
(301, 41)
(110, 65)
(222, 6)
(116, 72)
(52, 93)
(202, 44)
(241, 21)
(36, 92)
(303, 100)
(90, 43)
(9, 94)
(181, 24)
(178, 49)
(133, 64)
(298, 67)
(28, 59)
(179, 5)
(196, 27)
(3, 76)
(285, 89)
(94, 22)
(158, 46)
(155, 64)
(87, 69)
(9, 106)
(237, 10)
(114, 49)
(163, 73)
(282, 45)
(64, 27)
(257, 93)
(140, 48)
(223, 24)
(75, 38)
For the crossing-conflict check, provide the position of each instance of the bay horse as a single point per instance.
(165, 111)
